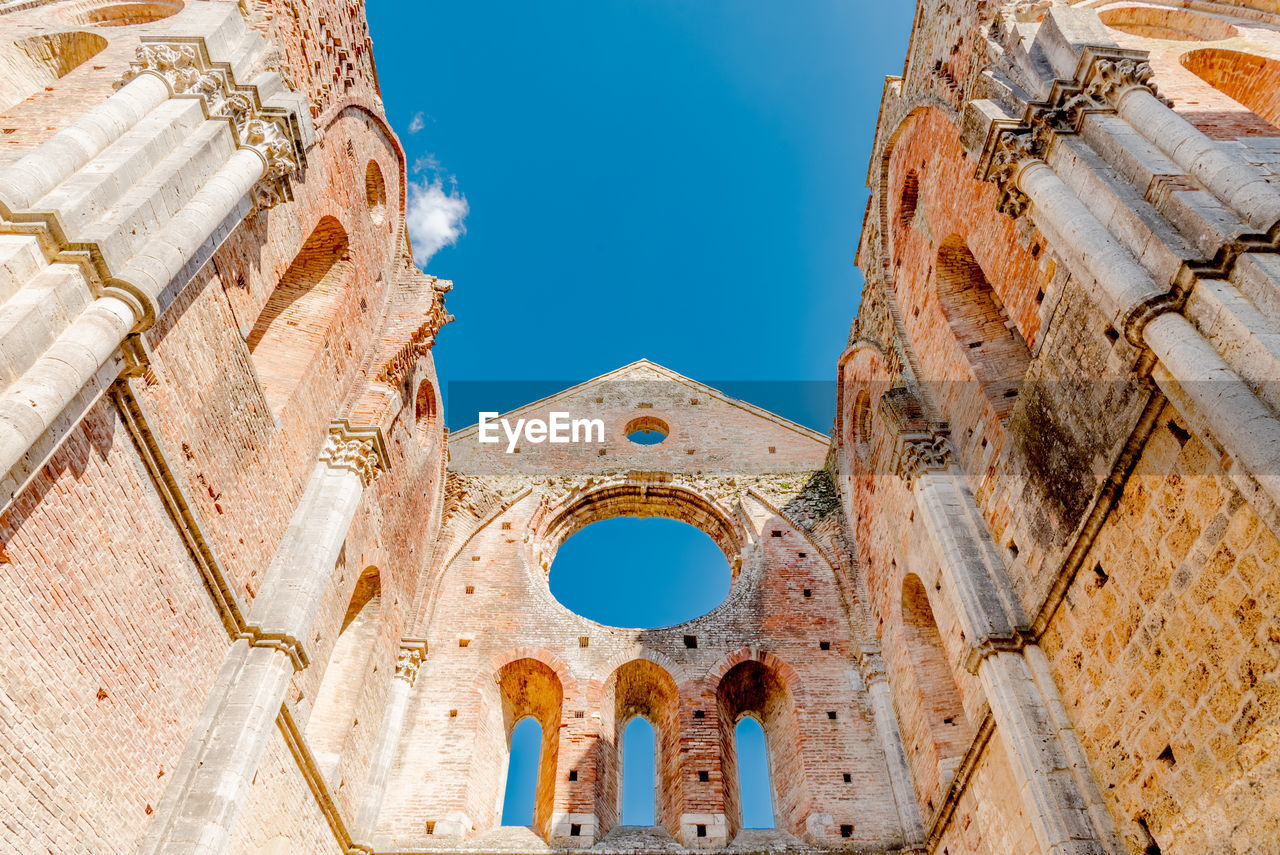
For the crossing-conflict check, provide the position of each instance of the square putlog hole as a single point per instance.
(846, 831)
(575, 830)
(702, 831)
(704, 776)
(691, 641)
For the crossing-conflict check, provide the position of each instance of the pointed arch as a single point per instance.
(641, 688)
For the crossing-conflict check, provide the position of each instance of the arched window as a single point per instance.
(1249, 80)
(995, 350)
(294, 324)
(333, 713)
(862, 424)
(525, 701)
(754, 787)
(375, 193)
(757, 691)
(638, 755)
(642, 778)
(940, 710)
(522, 773)
(424, 411)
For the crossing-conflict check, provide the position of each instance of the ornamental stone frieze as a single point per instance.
(186, 69)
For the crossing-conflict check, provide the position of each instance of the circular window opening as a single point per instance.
(129, 14)
(375, 193)
(1178, 25)
(640, 573)
(647, 430)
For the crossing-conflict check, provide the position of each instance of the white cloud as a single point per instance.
(434, 218)
(417, 123)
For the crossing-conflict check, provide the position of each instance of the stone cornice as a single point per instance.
(273, 134)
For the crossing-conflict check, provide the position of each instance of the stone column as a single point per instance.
(412, 652)
(886, 720)
(991, 618)
(24, 183)
(1125, 83)
(30, 405)
(1244, 426)
(216, 770)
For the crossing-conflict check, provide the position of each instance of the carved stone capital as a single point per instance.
(358, 450)
(1110, 78)
(921, 454)
(1013, 149)
(409, 660)
(872, 665)
(186, 69)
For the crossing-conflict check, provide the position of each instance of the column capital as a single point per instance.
(871, 663)
(409, 660)
(919, 453)
(1109, 77)
(359, 449)
(184, 65)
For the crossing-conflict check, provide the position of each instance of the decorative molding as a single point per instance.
(409, 660)
(1110, 78)
(400, 365)
(921, 453)
(185, 67)
(360, 450)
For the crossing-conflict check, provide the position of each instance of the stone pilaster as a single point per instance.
(876, 679)
(216, 770)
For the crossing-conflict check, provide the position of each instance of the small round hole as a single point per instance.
(647, 430)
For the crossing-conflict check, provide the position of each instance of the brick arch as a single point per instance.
(641, 687)
(519, 687)
(678, 672)
(294, 323)
(862, 376)
(540, 654)
(1248, 79)
(641, 499)
(336, 699)
(761, 686)
(889, 191)
(996, 353)
(751, 653)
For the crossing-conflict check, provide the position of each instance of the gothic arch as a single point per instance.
(937, 696)
(758, 687)
(520, 688)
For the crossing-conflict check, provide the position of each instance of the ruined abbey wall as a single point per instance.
(255, 599)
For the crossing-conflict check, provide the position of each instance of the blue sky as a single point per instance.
(605, 180)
